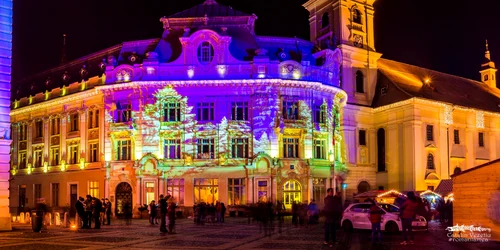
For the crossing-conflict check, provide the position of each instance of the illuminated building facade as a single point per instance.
(405, 127)
(211, 111)
(208, 112)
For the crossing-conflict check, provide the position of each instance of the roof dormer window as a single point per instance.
(205, 53)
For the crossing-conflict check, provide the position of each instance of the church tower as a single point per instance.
(488, 70)
(348, 25)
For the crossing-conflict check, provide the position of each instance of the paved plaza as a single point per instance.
(236, 233)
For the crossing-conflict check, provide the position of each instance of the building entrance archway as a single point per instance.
(123, 194)
(291, 193)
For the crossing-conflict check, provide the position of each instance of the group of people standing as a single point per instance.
(93, 209)
(161, 211)
(209, 213)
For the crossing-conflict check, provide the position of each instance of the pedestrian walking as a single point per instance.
(152, 212)
(88, 211)
(376, 218)
(408, 214)
(333, 212)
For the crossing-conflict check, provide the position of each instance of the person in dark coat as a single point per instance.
(80, 209)
(97, 213)
(152, 212)
(108, 206)
(163, 212)
(333, 213)
(223, 211)
(171, 217)
(88, 211)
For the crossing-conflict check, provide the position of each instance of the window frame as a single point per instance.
(290, 110)
(205, 53)
(322, 146)
(210, 143)
(232, 194)
(295, 147)
(481, 139)
(175, 186)
(429, 132)
(235, 108)
(235, 151)
(360, 82)
(456, 136)
(123, 144)
(177, 144)
(209, 107)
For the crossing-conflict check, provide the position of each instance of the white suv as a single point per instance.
(357, 216)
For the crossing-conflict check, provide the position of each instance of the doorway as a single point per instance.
(73, 197)
(291, 193)
(22, 198)
(123, 196)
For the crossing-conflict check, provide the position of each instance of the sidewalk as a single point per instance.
(236, 233)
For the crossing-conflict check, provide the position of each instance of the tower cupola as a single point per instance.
(488, 70)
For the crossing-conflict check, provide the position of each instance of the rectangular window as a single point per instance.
(206, 190)
(93, 118)
(319, 190)
(74, 122)
(176, 188)
(22, 159)
(236, 191)
(124, 150)
(94, 189)
(290, 110)
(150, 192)
(205, 111)
(320, 114)
(362, 137)
(320, 149)
(73, 154)
(37, 191)
(38, 129)
(430, 133)
(54, 156)
(239, 148)
(37, 157)
(456, 136)
(290, 147)
(23, 132)
(172, 149)
(55, 126)
(206, 148)
(123, 112)
(55, 194)
(239, 111)
(94, 152)
(481, 139)
(172, 112)
(262, 191)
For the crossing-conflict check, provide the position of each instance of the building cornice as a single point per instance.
(59, 101)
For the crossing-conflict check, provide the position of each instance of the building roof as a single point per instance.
(444, 187)
(210, 8)
(476, 167)
(404, 81)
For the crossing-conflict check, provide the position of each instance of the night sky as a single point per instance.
(443, 35)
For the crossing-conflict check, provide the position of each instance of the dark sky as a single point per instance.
(445, 35)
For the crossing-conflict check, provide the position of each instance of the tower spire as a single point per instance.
(487, 52)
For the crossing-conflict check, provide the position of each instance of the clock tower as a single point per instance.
(348, 25)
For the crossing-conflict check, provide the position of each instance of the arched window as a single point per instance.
(486, 77)
(381, 150)
(356, 16)
(360, 86)
(363, 187)
(430, 161)
(325, 20)
(205, 53)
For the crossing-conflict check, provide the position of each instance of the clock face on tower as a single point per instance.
(358, 41)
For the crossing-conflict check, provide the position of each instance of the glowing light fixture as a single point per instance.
(190, 72)
(221, 69)
(47, 95)
(45, 167)
(63, 91)
(63, 165)
(150, 70)
(296, 74)
(391, 192)
(427, 80)
(30, 167)
(82, 163)
(14, 170)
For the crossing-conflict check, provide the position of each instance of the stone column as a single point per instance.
(83, 133)
(392, 155)
(5, 140)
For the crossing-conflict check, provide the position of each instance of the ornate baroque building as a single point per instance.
(210, 111)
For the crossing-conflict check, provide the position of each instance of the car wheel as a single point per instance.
(347, 226)
(391, 227)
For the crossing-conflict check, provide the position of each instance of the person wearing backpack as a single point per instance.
(408, 214)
